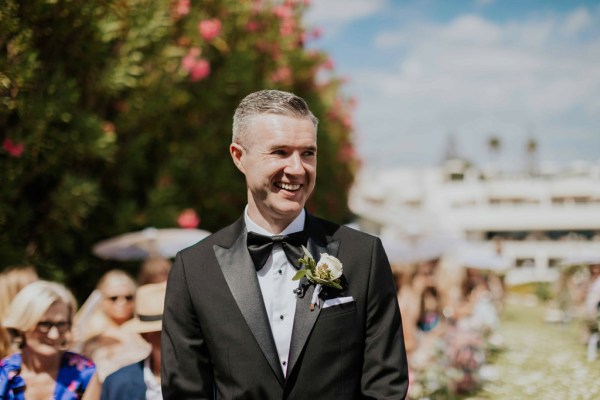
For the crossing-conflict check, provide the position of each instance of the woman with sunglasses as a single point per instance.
(102, 336)
(39, 319)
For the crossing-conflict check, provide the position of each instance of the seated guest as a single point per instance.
(40, 318)
(12, 280)
(101, 333)
(154, 270)
(141, 380)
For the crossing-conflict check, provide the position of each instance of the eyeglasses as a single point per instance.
(45, 326)
(127, 298)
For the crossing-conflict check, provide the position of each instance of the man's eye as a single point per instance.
(279, 152)
(308, 154)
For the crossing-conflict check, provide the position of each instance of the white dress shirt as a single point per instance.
(277, 287)
(153, 389)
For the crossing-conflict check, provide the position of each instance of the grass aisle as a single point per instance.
(541, 360)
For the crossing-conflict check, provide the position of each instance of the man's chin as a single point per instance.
(289, 209)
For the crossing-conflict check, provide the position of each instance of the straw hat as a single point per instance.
(149, 307)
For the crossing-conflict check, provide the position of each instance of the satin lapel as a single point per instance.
(304, 319)
(240, 275)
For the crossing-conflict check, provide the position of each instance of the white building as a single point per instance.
(536, 221)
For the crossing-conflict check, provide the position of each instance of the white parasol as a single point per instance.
(414, 250)
(150, 242)
(484, 259)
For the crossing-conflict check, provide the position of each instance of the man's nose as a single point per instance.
(294, 164)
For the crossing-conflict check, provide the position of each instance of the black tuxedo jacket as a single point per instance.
(217, 341)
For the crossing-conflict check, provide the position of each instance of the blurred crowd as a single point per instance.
(451, 316)
(109, 348)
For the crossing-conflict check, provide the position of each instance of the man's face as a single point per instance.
(279, 160)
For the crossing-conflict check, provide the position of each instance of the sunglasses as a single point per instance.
(127, 298)
(46, 326)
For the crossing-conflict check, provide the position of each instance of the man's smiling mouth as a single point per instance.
(287, 186)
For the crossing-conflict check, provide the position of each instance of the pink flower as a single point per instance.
(282, 74)
(188, 219)
(346, 152)
(328, 64)
(252, 26)
(287, 27)
(316, 33)
(201, 70)
(283, 11)
(197, 68)
(182, 8)
(209, 29)
(189, 61)
(14, 149)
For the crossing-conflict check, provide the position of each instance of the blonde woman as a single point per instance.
(40, 316)
(12, 280)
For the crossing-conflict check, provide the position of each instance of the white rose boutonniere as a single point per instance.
(327, 272)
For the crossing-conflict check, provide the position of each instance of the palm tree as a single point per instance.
(494, 146)
(532, 148)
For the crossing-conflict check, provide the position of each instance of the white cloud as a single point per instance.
(334, 14)
(577, 21)
(474, 77)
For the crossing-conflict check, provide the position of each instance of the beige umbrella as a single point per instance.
(150, 242)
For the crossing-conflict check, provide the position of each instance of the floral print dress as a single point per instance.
(73, 377)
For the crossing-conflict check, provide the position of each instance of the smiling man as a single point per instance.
(238, 324)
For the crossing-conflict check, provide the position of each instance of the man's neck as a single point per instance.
(274, 227)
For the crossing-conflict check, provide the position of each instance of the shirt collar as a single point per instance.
(296, 225)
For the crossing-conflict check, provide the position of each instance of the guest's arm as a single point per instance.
(93, 390)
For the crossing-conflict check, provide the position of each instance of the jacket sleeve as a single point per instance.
(186, 371)
(385, 368)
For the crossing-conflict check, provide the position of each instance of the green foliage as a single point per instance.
(116, 115)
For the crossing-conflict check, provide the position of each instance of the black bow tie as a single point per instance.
(260, 247)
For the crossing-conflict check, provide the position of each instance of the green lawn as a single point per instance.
(541, 360)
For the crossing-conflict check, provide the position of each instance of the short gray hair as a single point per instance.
(268, 102)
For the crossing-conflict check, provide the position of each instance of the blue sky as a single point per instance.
(424, 71)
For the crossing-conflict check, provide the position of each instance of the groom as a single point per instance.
(236, 326)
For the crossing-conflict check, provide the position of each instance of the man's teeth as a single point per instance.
(287, 186)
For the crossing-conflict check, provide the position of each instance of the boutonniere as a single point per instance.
(327, 272)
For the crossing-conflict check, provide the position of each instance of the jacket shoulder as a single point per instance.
(341, 231)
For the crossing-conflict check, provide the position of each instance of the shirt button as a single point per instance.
(280, 272)
(284, 363)
(281, 317)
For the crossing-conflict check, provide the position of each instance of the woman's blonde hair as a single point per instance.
(12, 280)
(31, 303)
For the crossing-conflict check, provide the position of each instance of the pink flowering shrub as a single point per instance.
(124, 124)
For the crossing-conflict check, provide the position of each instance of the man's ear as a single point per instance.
(237, 152)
